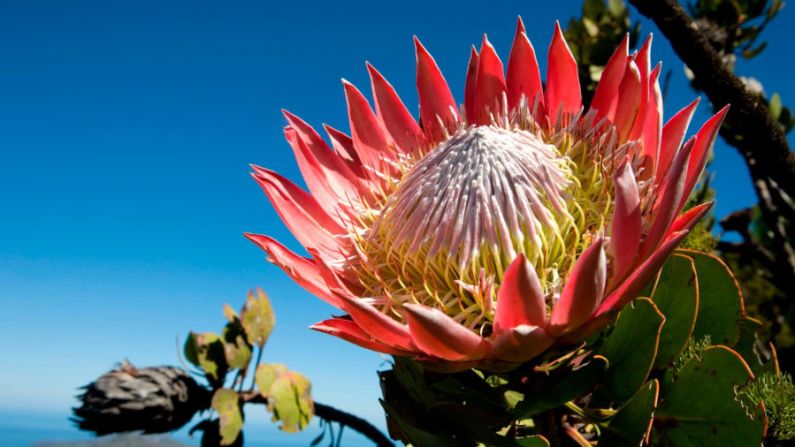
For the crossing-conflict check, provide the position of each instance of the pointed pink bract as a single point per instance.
(438, 335)
(640, 277)
(394, 115)
(524, 77)
(689, 218)
(490, 90)
(370, 140)
(582, 292)
(302, 270)
(520, 299)
(471, 84)
(520, 344)
(305, 218)
(349, 331)
(436, 99)
(629, 100)
(378, 325)
(326, 175)
(627, 220)
(651, 130)
(673, 135)
(563, 82)
(605, 98)
(668, 198)
(705, 139)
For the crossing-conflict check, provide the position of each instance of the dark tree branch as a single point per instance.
(332, 414)
(749, 127)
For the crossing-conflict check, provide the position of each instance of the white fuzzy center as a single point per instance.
(478, 200)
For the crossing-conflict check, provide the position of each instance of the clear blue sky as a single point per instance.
(126, 129)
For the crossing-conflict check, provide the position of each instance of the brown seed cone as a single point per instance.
(150, 400)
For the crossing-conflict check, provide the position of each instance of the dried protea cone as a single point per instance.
(152, 400)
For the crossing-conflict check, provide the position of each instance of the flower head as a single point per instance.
(484, 234)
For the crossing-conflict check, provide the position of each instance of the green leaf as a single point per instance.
(593, 8)
(617, 8)
(226, 403)
(236, 348)
(720, 302)
(207, 352)
(775, 7)
(748, 347)
(751, 53)
(595, 72)
(266, 374)
(630, 425)
(631, 347)
(291, 401)
(775, 106)
(257, 318)
(590, 27)
(427, 408)
(533, 441)
(288, 393)
(501, 441)
(563, 385)
(401, 428)
(702, 409)
(676, 296)
(230, 313)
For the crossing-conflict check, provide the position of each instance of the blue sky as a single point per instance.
(126, 130)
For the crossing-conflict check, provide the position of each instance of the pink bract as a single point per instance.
(482, 235)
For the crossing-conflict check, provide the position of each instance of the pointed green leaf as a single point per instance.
(226, 403)
(630, 425)
(676, 296)
(720, 302)
(702, 409)
(257, 318)
(631, 347)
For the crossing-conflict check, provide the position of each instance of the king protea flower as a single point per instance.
(482, 235)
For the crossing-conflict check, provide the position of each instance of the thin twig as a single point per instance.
(256, 365)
